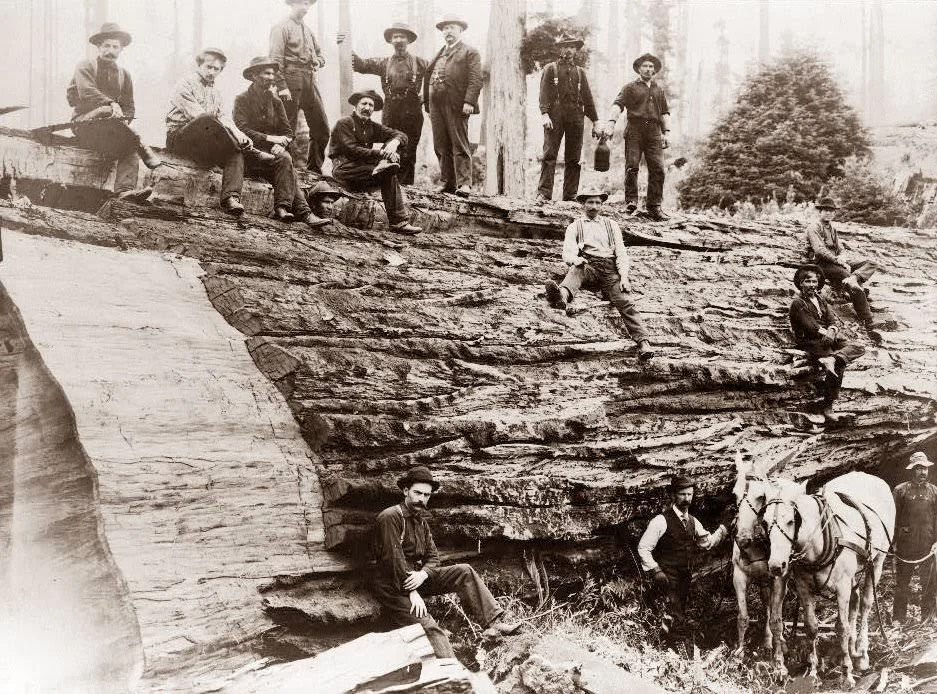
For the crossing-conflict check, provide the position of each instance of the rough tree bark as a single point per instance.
(346, 75)
(505, 102)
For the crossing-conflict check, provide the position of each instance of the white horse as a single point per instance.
(753, 488)
(826, 539)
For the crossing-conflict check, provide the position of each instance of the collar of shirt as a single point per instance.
(451, 48)
(649, 83)
(682, 516)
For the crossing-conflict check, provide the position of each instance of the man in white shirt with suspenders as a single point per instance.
(595, 253)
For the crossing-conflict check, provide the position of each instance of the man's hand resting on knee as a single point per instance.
(415, 579)
(417, 606)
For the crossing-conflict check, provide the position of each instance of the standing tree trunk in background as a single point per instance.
(633, 19)
(612, 80)
(877, 105)
(764, 33)
(346, 79)
(198, 26)
(506, 102)
(426, 47)
(661, 41)
(95, 15)
(678, 77)
(721, 94)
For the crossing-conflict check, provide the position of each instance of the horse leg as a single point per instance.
(740, 583)
(873, 576)
(844, 594)
(811, 629)
(767, 596)
(854, 610)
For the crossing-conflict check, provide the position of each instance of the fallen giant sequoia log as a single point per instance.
(547, 433)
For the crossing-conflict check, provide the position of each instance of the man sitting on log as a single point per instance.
(667, 550)
(826, 251)
(408, 568)
(595, 253)
(358, 165)
(196, 127)
(816, 331)
(101, 90)
(261, 115)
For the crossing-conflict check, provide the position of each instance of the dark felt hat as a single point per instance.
(586, 194)
(420, 473)
(678, 482)
(826, 204)
(451, 19)
(110, 30)
(370, 94)
(216, 52)
(647, 56)
(324, 189)
(569, 40)
(259, 63)
(804, 269)
(401, 27)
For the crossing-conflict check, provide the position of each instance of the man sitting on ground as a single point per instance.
(261, 116)
(358, 165)
(102, 90)
(595, 253)
(816, 331)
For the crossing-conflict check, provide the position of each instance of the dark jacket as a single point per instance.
(99, 83)
(258, 113)
(413, 66)
(353, 137)
(806, 320)
(915, 519)
(550, 91)
(464, 79)
(642, 101)
(676, 548)
(402, 542)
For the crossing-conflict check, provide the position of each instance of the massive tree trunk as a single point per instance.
(346, 75)
(505, 102)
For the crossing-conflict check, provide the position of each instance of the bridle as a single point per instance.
(759, 519)
(830, 549)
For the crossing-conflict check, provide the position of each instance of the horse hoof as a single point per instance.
(848, 682)
(863, 663)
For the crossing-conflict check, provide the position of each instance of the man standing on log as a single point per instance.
(196, 127)
(826, 251)
(101, 90)
(450, 95)
(261, 116)
(816, 331)
(595, 253)
(916, 539)
(295, 49)
(645, 133)
(565, 98)
(358, 165)
(667, 550)
(408, 568)
(402, 81)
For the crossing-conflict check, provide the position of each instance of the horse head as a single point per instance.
(782, 523)
(753, 488)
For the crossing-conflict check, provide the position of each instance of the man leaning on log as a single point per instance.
(196, 127)
(102, 91)
(408, 568)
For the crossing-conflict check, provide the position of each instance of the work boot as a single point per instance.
(501, 628)
(555, 295)
(463, 191)
(829, 415)
(150, 158)
(645, 351)
(446, 189)
(138, 195)
(656, 214)
(282, 214)
(851, 282)
(405, 227)
(315, 221)
(828, 363)
(384, 166)
(232, 205)
(541, 199)
(631, 208)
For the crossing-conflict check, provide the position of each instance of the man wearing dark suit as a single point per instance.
(450, 95)
(358, 165)
(816, 331)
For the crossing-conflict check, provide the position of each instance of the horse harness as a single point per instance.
(760, 543)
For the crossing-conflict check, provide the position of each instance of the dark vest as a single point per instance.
(677, 547)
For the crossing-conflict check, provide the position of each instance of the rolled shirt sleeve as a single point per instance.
(648, 543)
(570, 245)
(707, 540)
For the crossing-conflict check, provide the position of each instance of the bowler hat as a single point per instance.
(370, 94)
(804, 270)
(569, 40)
(399, 27)
(259, 63)
(585, 195)
(643, 58)
(110, 30)
(216, 52)
(679, 482)
(826, 204)
(451, 19)
(918, 459)
(323, 189)
(420, 473)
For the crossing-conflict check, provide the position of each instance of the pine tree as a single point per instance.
(790, 126)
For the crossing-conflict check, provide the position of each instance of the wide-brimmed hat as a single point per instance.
(420, 473)
(805, 269)
(370, 94)
(826, 204)
(569, 40)
(585, 195)
(110, 30)
(259, 63)
(647, 56)
(451, 19)
(216, 52)
(324, 189)
(401, 27)
(918, 459)
(678, 482)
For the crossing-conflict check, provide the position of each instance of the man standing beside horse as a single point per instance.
(916, 539)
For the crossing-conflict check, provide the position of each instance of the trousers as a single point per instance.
(862, 271)
(451, 143)
(115, 139)
(928, 573)
(843, 351)
(677, 599)
(357, 176)
(286, 190)
(602, 273)
(568, 125)
(186, 141)
(644, 137)
(405, 115)
(461, 579)
(301, 81)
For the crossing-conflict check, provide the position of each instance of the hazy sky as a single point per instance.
(241, 27)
